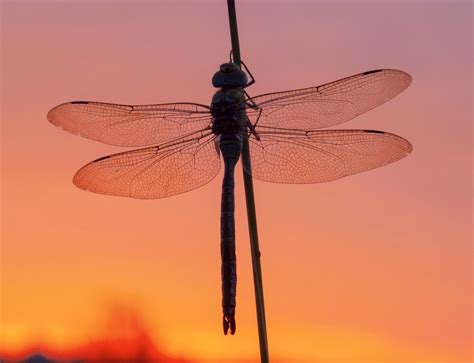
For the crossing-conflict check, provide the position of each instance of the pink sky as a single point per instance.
(374, 267)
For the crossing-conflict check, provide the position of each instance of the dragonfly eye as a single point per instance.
(229, 75)
(228, 67)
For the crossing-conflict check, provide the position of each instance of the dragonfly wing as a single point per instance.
(153, 172)
(329, 104)
(125, 125)
(299, 156)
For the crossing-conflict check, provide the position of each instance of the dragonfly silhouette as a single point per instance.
(286, 145)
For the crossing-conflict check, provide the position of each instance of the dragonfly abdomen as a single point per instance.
(230, 146)
(229, 121)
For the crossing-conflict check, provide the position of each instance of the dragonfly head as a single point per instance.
(229, 75)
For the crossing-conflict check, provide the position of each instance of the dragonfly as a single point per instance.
(184, 144)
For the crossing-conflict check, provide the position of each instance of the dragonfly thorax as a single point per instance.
(228, 111)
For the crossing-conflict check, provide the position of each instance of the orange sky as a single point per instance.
(374, 267)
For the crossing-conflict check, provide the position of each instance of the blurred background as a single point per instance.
(371, 268)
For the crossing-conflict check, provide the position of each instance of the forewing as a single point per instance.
(322, 155)
(154, 172)
(125, 125)
(329, 104)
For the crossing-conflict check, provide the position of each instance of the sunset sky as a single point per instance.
(371, 268)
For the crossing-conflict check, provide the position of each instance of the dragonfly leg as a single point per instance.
(251, 103)
(258, 117)
(252, 127)
(250, 74)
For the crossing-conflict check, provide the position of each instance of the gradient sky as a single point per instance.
(374, 267)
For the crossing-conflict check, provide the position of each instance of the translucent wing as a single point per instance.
(329, 104)
(125, 125)
(154, 172)
(297, 156)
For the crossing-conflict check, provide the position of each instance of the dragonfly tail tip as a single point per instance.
(228, 323)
